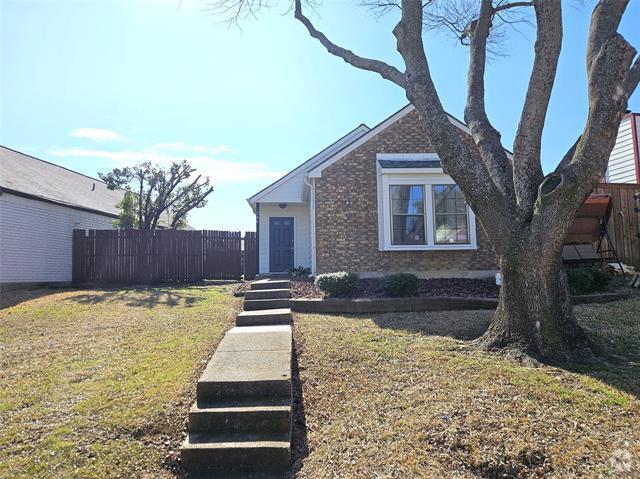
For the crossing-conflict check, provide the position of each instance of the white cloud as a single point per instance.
(178, 146)
(220, 170)
(98, 134)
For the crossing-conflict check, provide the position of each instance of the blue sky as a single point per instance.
(96, 84)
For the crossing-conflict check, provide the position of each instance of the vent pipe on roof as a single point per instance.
(93, 188)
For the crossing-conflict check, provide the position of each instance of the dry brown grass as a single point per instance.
(403, 395)
(97, 383)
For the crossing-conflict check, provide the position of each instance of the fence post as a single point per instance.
(250, 255)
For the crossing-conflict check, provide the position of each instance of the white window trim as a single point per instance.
(426, 178)
(408, 156)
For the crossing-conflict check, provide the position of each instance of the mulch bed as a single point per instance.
(372, 288)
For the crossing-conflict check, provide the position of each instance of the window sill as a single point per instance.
(457, 247)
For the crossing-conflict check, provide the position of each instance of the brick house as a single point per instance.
(374, 202)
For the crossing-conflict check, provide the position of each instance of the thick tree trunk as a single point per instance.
(528, 216)
(534, 318)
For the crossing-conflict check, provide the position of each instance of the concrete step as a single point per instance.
(255, 304)
(271, 284)
(256, 338)
(250, 362)
(264, 317)
(260, 417)
(267, 294)
(235, 453)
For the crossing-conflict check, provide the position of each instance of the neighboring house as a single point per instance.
(40, 205)
(624, 162)
(374, 202)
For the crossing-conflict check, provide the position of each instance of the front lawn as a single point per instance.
(97, 383)
(402, 395)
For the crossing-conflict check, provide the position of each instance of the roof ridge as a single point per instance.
(314, 156)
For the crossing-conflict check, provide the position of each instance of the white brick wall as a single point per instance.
(301, 239)
(36, 239)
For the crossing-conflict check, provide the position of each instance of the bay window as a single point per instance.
(423, 211)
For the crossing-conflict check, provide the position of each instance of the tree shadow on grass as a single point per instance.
(617, 356)
(147, 297)
(463, 325)
(9, 298)
(616, 341)
(299, 443)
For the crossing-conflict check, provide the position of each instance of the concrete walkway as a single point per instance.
(240, 425)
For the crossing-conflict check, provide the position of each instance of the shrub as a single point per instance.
(402, 284)
(337, 284)
(300, 272)
(587, 280)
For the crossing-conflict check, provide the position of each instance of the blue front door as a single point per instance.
(280, 244)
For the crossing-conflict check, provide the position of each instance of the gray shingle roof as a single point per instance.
(409, 163)
(40, 179)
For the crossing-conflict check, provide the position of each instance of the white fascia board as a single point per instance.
(317, 172)
(310, 163)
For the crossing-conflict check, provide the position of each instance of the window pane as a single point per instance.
(452, 229)
(408, 229)
(450, 213)
(407, 199)
(448, 199)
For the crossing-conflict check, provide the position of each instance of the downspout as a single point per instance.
(257, 239)
(312, 221)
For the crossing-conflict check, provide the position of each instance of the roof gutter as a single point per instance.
(55, 202)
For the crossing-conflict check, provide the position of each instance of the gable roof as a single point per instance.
(25, 175)
(317, 171)
(314, 161)
(313, 167)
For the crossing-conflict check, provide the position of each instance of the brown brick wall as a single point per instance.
(347, 214)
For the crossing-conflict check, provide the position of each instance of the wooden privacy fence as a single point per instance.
(162, 256)
(624, 224)
(222, 254)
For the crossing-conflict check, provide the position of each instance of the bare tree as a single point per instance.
(152, 192)
(525, 214)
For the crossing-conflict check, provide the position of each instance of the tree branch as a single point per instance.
(459, 157)
(608, 74)
(568, 156)
(385, 70)
(179, 172)
(506, 6)
(485, 136)
(194, 203)
(526, 150)
(605, 20)
(633, 78)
